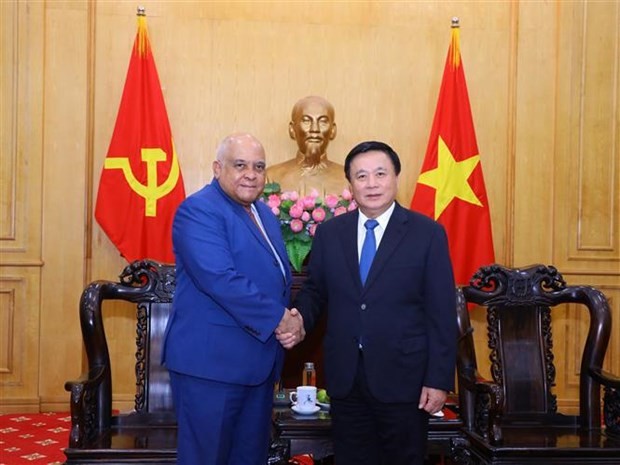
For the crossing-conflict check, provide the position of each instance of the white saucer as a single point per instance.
(305, 412)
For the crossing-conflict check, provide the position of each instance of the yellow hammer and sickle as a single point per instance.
(151, 192)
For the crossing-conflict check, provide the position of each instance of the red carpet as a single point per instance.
(37, 438)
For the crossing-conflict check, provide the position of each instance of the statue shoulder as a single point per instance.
(283, 165)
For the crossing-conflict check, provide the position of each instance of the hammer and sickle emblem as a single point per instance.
(151, 192)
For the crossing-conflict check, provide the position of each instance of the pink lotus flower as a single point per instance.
(312, 229)
(340, 211)
(314, 193)
(352, 206)
(318, 214)
(293, 195)
(308, 202)
(296, 211)
(296, 225)
(275, 211)
(305, 217)
(346, 194)
(274, 201)
(331, 201)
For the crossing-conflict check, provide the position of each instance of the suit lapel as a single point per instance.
(254, 229)
(278, 245)
(243, 215)
(348, 241)
(394, 232)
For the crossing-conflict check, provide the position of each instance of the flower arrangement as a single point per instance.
(300, 215)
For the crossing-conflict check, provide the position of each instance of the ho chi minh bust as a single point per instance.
(312, 126)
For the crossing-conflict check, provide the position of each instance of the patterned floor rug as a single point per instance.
(37, 438)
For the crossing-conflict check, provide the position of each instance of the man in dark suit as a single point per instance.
(232, 290)
(390, 344)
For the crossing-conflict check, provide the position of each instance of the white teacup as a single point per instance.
(304, 398)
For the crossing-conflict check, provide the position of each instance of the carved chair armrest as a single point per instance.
(89, 412)
(486, 398)
(489, 409)
(611, 398)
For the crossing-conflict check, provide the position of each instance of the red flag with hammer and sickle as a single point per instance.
(141, 184)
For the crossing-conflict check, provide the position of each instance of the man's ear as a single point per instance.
(217, 169)
(291, 130)
(333, 131)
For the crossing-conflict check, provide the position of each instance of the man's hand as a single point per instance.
(432, 400)
(290, 331)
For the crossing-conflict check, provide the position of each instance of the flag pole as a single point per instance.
(455, 48)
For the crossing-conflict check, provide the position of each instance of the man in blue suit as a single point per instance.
(384, 276)
(232, 291)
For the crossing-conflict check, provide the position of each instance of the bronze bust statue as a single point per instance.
(312, 126)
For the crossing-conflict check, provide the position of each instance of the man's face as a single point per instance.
(242, 171)
(374, 182)
(313, 127)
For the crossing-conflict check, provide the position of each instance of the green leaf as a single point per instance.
(297, 252)
(271, 188)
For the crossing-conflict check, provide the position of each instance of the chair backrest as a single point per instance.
(150, 286)
(519, 304)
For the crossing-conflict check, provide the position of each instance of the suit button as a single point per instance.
(363, 306)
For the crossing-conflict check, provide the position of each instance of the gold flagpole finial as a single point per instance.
(142, 41)
(455, 43)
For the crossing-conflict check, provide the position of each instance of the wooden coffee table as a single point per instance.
(312, 433)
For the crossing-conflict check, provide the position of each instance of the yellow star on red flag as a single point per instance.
(449, 179)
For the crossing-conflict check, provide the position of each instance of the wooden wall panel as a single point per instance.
(7, 328)
(8, 122)
(64, 201)
(587, 179)
(20, 126)
(19, 343)
(534, 146)
(21, 88)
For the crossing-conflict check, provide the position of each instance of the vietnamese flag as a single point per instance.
(141, 184)
(450, 188)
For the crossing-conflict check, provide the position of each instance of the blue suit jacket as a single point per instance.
(230, 291)
(405, 314)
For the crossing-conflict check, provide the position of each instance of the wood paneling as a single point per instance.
(21, 88)
(21, 160)
(64, 196)
(19, 344)
(587, 155)
(543, 84)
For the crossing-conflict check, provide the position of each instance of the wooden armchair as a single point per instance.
(513, 419)
(148, 433)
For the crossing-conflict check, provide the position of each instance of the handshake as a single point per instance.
(290, 330)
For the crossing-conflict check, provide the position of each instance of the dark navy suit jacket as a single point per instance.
(405, 315)
(230, 291)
